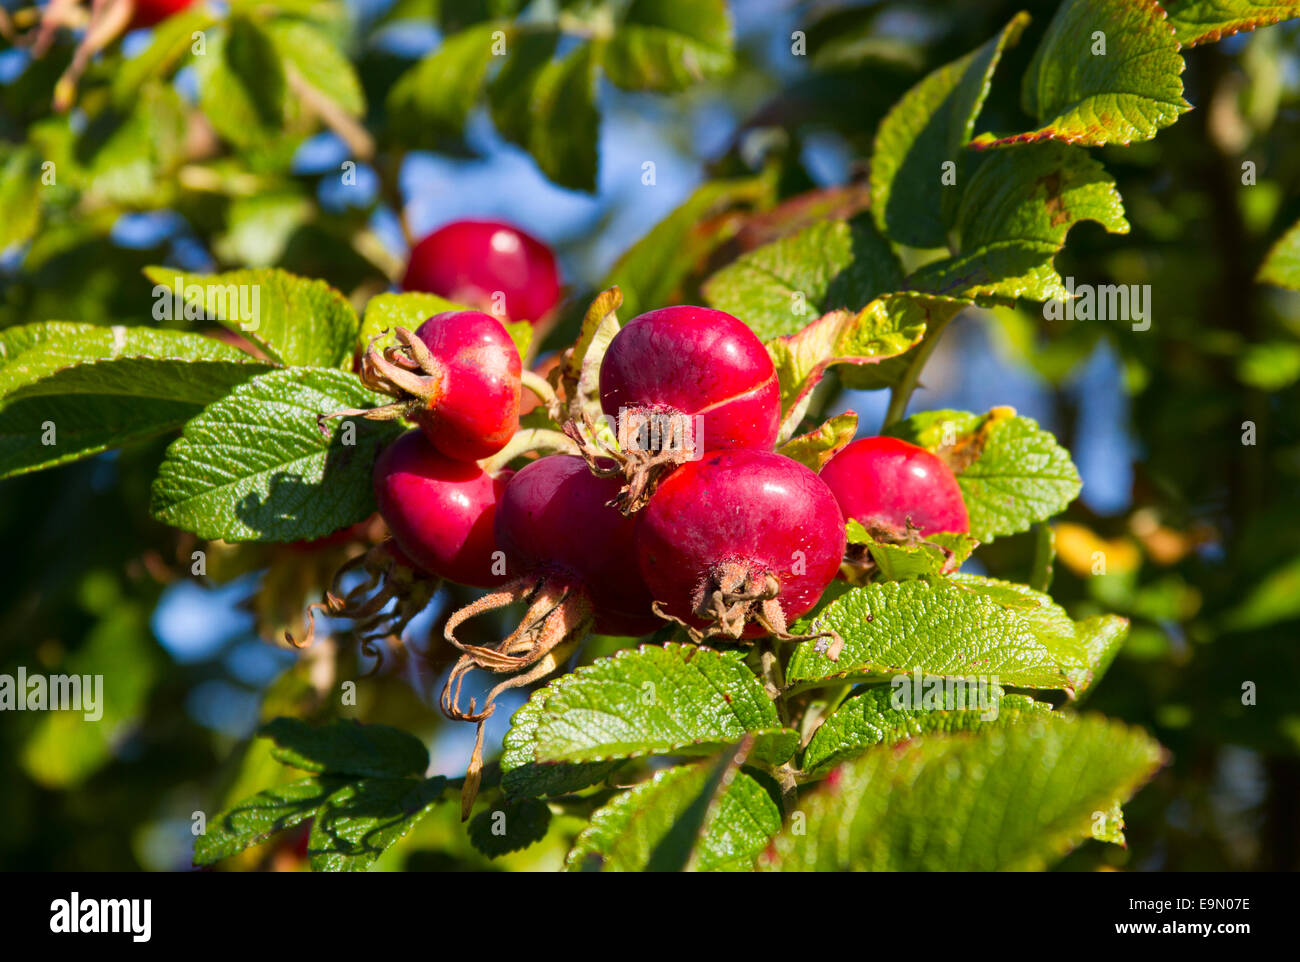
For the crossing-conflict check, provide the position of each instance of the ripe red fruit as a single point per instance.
(457, 377)
(739, 543)
(576, 566)
(692, 370)
(148, 13)
(440, 511)
(890, 486)
(474, 262)
(694, 360)
(553, 521)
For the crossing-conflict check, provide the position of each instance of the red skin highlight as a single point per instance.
(468, 261)
(475, 409)
(887, 481)
(440, 511)
(755, 507)
(694, 360)
(149, 13)
(553, 519)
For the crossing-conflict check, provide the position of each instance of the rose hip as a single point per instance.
(892, 488)
(739, 543)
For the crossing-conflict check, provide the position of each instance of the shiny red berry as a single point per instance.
(471, 406)
(489, 265)
(740, 542)
(695, 361)
(440, 511)
(890, 486)
(553, 521)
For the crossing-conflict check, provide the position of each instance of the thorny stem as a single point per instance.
(901, 393)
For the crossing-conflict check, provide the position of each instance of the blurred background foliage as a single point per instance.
(167, 157)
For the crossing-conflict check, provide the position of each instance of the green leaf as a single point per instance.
(1101, 636)
(170, 42)
(777, 287)
(670, 45)
(928, 128)
(345, 747)
(1274, 598)
(870, 718)
(884, 329)
(255, 466)
(675, 699)
(1206, 21)
(1005, 798)
(635, 831)
(68, 391)
(565, 135)
(362, 819)
(1089, 98)
(938, 554)
(241, 83)
(523, 776)
(319, 62)
(953, 627)
(819, 445)
(295, 320)
(432, 100)
(1013, 217)
(509, 825)
(1282, 264)
(257, 818)
(385, 312)
(650, 272)
(510, 93)
(129, 155)
(20, 195)
(1011, 472)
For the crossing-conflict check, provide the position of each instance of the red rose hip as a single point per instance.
(739, 543)
(679, 381)
(482, 263)
(150, 13)
(891, 487)
(457, 376)
(440, 511)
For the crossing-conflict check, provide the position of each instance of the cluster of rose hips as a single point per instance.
(703, 525)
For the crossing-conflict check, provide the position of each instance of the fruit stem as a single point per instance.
(901, 392)
(541, 440)
(545, 393)
(774, 683)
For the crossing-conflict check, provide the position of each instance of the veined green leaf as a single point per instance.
(1011, 472)
(778, 287)
(1282, 264)
(362, 819)
(241, 83)
(1005, 798)
(1206, 21)
(261, 816)
(927, 129)
(869, 718)
(256, 466)
(68, 391)
(1014, 214)
(1106, 72)
(641, 830)
(295, 320)
(523, 776)
(675, 699)
(952, 627)
(432, 100)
